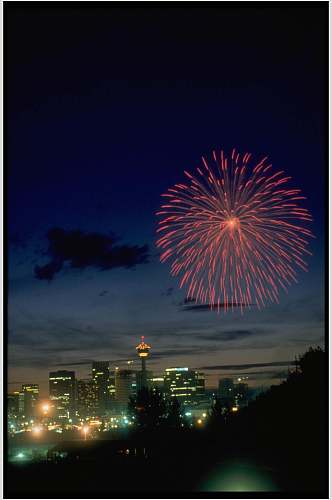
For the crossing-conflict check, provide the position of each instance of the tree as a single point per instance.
(174, 414)
(148, 408)
(216, 417)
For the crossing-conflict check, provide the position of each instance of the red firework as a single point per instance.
(234, 234)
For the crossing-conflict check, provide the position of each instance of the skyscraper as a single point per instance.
(241, 393)
(62, 386)
(86, 398)
(13, 404)
(125, 381)
(143, 350)
(101, 380)
(157, 384)
(182, 384)
(226, 392)
(28, 400)
(200, 386)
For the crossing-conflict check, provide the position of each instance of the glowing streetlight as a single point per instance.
(45, 407)
(85, 431)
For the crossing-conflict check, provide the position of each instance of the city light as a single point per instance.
(85, 431)
(45, 407)
(36, 430)
(199, 421)
(235, 408)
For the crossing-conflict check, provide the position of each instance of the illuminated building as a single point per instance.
(101, 377)
(226, 392)
(241, 393)
(200, 386)
(157, 384)
(182, 384)
(13, 404)
(125, 383)
(28, 400)
(143, 350)
(62, 387)
(86, 397)
(111, 386)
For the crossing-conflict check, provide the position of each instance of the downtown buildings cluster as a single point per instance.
(104, 397)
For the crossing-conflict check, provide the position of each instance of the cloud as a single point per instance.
(75, 363)
(247, 366)
(230, 335)
(208, 307)
(82, 250)
(103, 293)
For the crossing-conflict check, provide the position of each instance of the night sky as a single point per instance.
(106, 108)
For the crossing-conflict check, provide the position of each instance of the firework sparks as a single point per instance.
(235, 234)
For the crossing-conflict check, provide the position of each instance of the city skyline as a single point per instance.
(277, 372)
(90, 153)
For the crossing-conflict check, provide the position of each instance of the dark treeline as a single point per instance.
(283, 431)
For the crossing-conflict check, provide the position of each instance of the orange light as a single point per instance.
(235, 408)
(233, 223)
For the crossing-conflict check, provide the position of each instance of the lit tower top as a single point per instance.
(143, 348)
(143, 352)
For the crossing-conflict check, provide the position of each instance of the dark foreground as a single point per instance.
(277, 446)
(196, 464)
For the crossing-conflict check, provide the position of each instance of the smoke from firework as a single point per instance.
(234, 234)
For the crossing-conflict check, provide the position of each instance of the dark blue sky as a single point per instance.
(106, 108)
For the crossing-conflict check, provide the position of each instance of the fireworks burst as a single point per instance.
(234, 234)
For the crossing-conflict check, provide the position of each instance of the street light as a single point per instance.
(85, 430)
(46, 407)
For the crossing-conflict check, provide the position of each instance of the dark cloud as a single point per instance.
(168, 292)
(247, 366)
(103, 293)
(180, 351)
(82, 250)
(208, 307)
(75, 363)
(230, 335)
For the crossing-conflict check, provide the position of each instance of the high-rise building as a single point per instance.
(226, 392)
(101, 380)
(143, 350)
(157, 384)
(200, 386)
(28, 400)
(86, 398)
(13, 404)
(62, 387)
(111, 387)
(182, 384)
(125, 385)
(241, 394)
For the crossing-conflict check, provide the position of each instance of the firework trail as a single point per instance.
(235, 234)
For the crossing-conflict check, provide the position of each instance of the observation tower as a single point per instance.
(143, 352)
